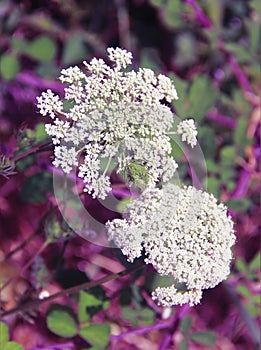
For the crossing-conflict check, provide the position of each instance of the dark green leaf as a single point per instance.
(96, 334)
(206, 338)
(35, 187)
(60, 321)
(185, 324)
(9, 66)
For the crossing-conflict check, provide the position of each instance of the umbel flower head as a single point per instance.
(113, 114)
(184, 233)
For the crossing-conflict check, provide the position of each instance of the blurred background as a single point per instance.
(211, 49)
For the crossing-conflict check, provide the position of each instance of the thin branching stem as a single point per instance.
(33, 304)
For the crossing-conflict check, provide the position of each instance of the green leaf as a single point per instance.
(35, 187)
(147, 316)
(240, 133)
(207, 141)
(74, 50)
(253, 309)
(130, 314)
(172, 12)
(12, 345)
(227, 174)
(239, 205)
(242, 53)
(43, 49)
(19, 44)
(96, 334)
(241, 265)
(202, 97)
(228, 154)
(185, 324)
(181, 105)
(60, 321)
(254, 36)
(255, 263)
(9, 66)
(86, 303)
(183, 345)
(243, 290)
(4, 334)
(205, 338)
(213, 186)
(211, 166)
(40, 133)
(256, 5)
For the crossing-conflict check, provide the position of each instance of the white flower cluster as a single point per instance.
(188, 132)
(113, 114)
(184, 233)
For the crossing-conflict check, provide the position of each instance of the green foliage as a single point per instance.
(238, 205)
(74, 50)
(249, 272)
(9, 66)
(61, 321)
(185, 324)
(57, 229)
(138, 315)
(96, 334)
(183, 345)
(202, 97)
(4, 335)
(89, 305)
(43, 48)
(207, 338)
(35, 187)
(5, 344)
(192, 100)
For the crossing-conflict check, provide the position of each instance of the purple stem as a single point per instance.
(181, 312)
(30, 79)
(54, 346)
(143, 330)
(239, 74)
(242, 184)
(202, 18)
(221, 120)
